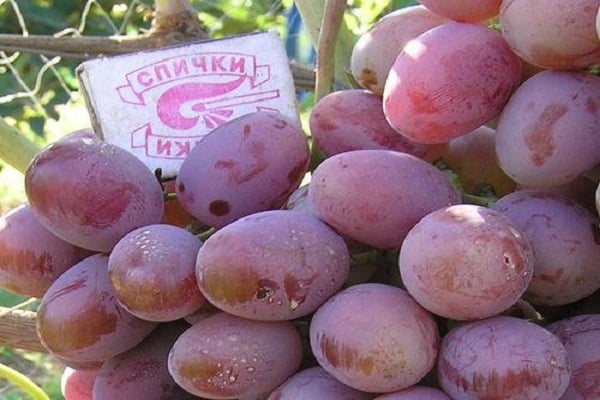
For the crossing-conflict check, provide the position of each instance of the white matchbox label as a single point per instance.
(158, 104)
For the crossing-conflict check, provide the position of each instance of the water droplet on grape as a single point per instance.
(233, 338)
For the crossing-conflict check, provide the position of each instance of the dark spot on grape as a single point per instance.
(181, 188)
(296, 289)
(280, 123)
(344, 356)
(368, 78)
(225, 164)
(266, 288)
(219, 208)
(539, 138)
(297, 172)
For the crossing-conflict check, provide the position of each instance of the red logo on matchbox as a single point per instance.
(163, 102)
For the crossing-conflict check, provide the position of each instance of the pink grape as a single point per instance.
(316, 383)
(473, 158)
(376, 196)
(552, 33)
(566, 248)
(502, 358)
(272, 265)
(353, 119)
(376, 50)
(580, 335)
(374, 338)
(226, 357)
(466, 262)
(415, 393)
(547, 133)
(28, 267)
(91, 193)
(79, 318)
(141, 373)
(449, 81)
(464, 10)
(153, 272)
(77, 384)
(248, 165)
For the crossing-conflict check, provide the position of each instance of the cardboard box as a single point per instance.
(158, 104)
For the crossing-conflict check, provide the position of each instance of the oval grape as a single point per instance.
(376, 196)
(466, 262)
(566, 247)
(547, 134)
(153, 272)
(248, 165)
(502, 358)
(91, 193)
(550, 34)
(272, 265)
(228, 357)
(387, 348)
(449, 81)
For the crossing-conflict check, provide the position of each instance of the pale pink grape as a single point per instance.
(449, 81)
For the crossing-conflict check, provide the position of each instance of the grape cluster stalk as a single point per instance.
(447, 246)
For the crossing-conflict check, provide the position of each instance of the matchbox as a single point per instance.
(158, 104)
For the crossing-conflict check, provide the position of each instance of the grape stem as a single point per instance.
(23, 382)
(15, 149)
(333, 16)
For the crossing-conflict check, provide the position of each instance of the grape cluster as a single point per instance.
(446, 247)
